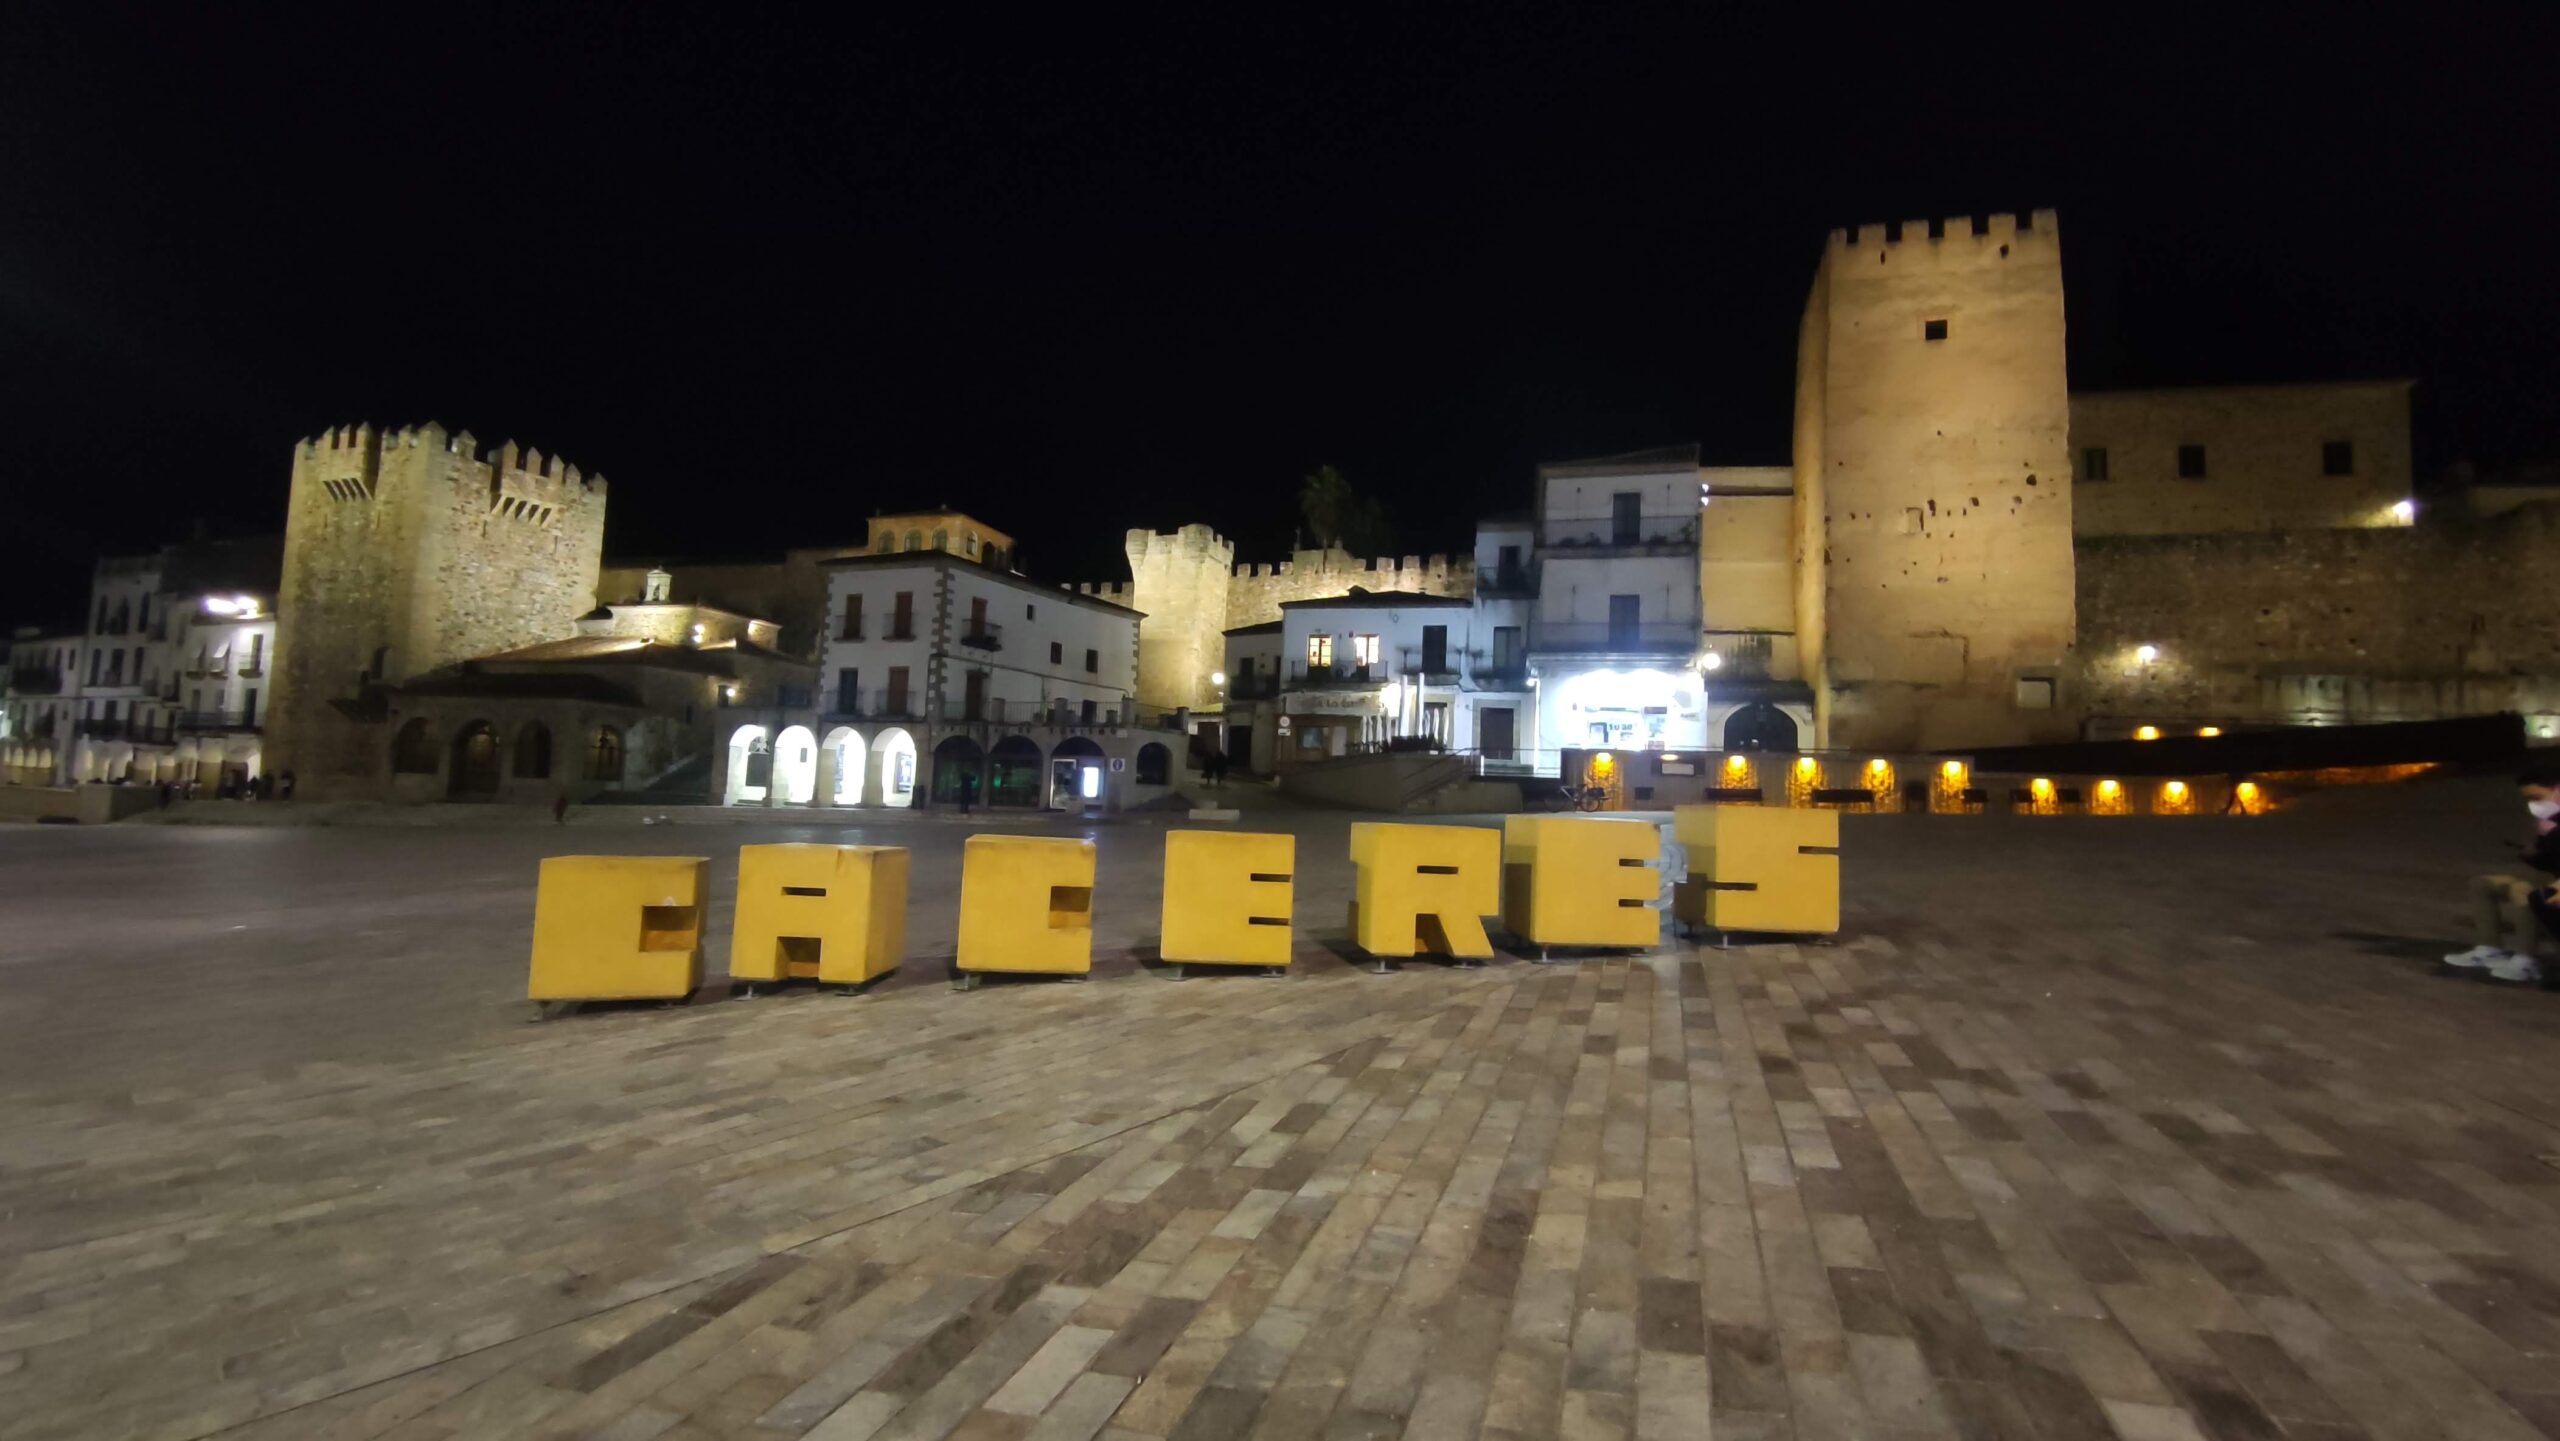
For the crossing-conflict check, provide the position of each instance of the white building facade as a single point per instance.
(946, 680)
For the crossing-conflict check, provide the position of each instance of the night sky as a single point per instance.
(1124, 273)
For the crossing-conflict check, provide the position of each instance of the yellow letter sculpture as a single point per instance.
(837, 914)
(1581, 880)
(1759, 869)
(618, 928)
(1026, 904)
(1424, 888)
(1227, 898)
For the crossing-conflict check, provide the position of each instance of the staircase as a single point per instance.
(686, 783)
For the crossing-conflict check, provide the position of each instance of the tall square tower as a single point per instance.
(1933, 485)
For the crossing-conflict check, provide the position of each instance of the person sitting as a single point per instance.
(2511, 916)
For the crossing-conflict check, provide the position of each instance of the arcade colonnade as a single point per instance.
(889, 766)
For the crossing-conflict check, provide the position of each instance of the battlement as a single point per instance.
(1962, 239)
(1115, 591)
(1189, 543)
(348, 460)
(1380, 573)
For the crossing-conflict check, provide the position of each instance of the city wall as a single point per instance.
(2454, 616)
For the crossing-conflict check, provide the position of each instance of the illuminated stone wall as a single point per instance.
(1191, 591)
(2262, 454)
(2451, 617)
(1938, 463)
(411, 547)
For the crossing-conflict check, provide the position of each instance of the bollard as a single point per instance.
(1580, 881)
(1026, 905)
(833, 914)
(618, 928)
(1424, 888)
(1760, 869)
(1227, 898)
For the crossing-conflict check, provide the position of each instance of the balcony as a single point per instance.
(871, 704)
(1057, 711)
(1500, 675)
(1600, 637)
(904, 629)
(1508, 582)
(983, 635)
(1341, 677)
(217, 720)
(1260, 685)
(252, 670)
(35, 682)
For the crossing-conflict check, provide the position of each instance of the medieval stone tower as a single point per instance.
(1179, 581)
(1933, 485)
(406, 551)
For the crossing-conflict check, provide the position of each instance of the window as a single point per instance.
(902, 616)
(897, 690)
(2093, 463)
(1319, 652)
(256, 663)
(1093, 662)
(942, 540)
(1057, 653)
(915, 540)
(2191, 462)
(2337, 457)
(1626, 518)
(413, 750)
(1088, 712)
(249, 707)
(1435, 649)
(1624, 620)
(533, 752)
(1364, 651)
(852, 618)
(1155, 764)
(604, 755)
(887, 542)
(1028, 612)
(969, 544)
(848, 691)
(1507, 647)
(1933, 330)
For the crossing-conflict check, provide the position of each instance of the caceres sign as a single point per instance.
(631, 927)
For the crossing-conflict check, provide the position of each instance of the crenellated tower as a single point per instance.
(1933, 484)
(406, 550)
(1178, 580)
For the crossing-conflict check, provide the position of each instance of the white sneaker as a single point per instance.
(2523, 970)
(2474, 959)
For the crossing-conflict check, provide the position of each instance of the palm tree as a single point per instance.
(1327, 501)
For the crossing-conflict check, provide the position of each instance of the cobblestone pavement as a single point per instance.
(2086, 1128)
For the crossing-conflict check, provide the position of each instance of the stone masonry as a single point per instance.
(405, 551)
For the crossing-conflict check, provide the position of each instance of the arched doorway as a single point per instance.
(1155, 764)
(795, 766)
(750, 766)
(843, 746)
(474, 775)
(958, 757)
(1760, 726)
(605, 756)
(533, 752)
(1075, 773)
(893, 751)
(1013, 772)
(413, 750)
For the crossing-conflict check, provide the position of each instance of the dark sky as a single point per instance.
(1123, 272)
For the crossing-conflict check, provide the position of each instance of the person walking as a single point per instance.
(968, 791)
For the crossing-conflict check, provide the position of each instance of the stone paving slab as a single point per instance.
(2151, 1131)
